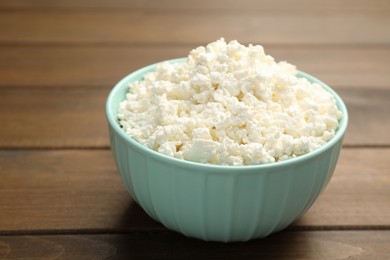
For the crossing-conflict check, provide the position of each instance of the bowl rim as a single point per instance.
(124, 83)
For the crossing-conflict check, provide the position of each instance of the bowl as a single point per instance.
(215, 202)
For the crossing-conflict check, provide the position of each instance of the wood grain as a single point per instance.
(57, 118)
(284, 245)
(50, 66)
(231, 5)
(75, 117)
(131, 26)
(66, 191)
(369, 120)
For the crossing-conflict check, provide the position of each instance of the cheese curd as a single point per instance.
(229, 104)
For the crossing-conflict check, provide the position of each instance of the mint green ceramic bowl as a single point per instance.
(220, 203)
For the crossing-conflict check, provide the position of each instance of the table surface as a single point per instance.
(61, 196)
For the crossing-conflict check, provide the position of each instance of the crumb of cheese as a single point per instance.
(229, 104)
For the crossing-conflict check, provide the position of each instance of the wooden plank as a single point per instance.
(70, 190)
(247, 5)
(284, 245)
(369, 123)
(57, 118)
(65, 190)
(127, 26)
(75, 117)
(48, 66)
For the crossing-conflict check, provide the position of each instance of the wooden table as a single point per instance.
(60, 194)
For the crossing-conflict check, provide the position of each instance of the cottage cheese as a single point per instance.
(229, 104)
